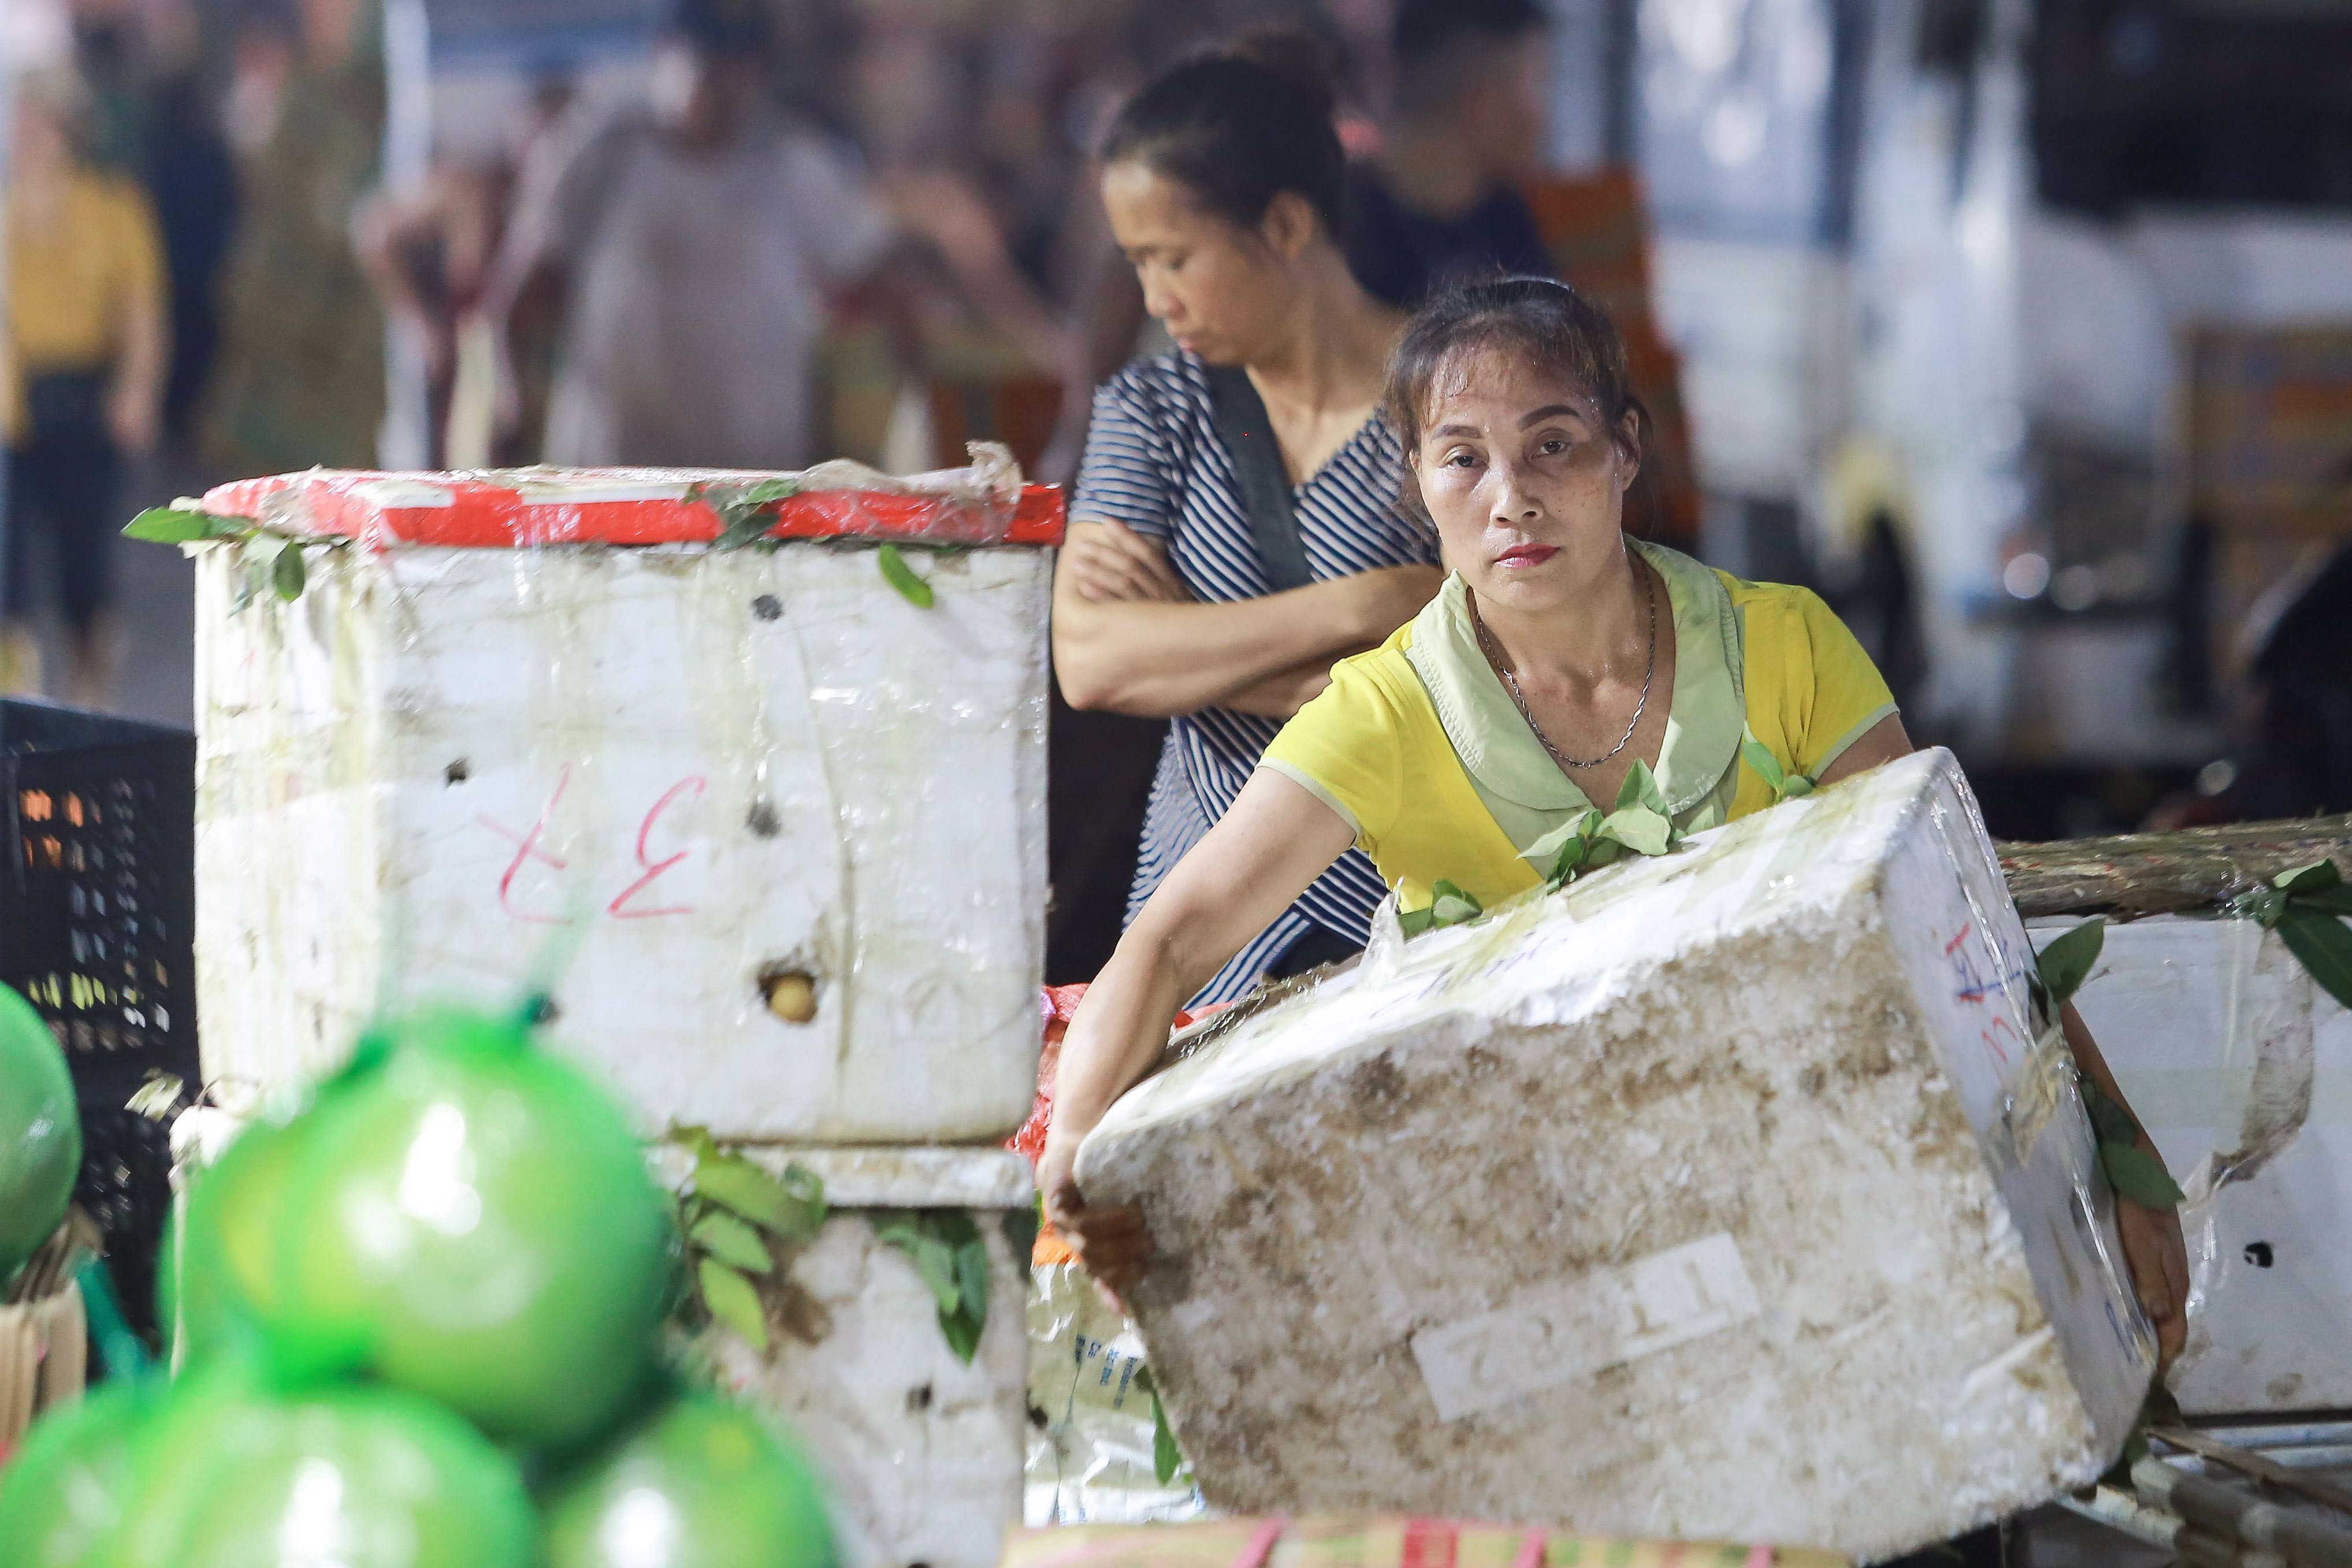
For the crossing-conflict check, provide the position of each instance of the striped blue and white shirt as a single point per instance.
(1155, 463)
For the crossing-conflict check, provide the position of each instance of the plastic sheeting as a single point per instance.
(1091, 1437)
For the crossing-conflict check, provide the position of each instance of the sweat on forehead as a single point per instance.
(1481, 367)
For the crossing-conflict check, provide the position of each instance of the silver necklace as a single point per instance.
(1502, 668)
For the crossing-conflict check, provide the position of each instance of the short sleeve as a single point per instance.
(1836, 695)
(842, 229)
(1347, 747)
(1131, 474)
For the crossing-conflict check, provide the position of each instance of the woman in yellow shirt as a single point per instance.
(1558, 654)
(84, 382)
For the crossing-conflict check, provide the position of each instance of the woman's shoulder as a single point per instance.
(1769, 610)
(1174, 382)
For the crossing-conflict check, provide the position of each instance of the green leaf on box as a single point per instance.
(902, 576)
(2317, 877)
(1641, 788)
(742, 1188)
(2066, 962)
(1639, 828)
(2324, 943)
(287, 572)
(732, 1242)
(183, 525)
(733, 1300)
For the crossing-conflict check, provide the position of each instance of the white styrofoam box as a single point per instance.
(2240, 1068)
(660, 774)
(1725, 1196)
(922, 1453)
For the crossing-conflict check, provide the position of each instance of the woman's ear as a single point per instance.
(1628, 442)
(1288, 226)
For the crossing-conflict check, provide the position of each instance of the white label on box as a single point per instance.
(1556, 1333)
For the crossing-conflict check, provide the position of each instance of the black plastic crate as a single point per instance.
(97, 931)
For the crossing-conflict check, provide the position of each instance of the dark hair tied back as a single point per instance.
(1238, 126)
(1563, 335)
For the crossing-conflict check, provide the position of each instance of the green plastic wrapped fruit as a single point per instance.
(698, 1483)
(232, 1475)
(69, 1484)
(471, 1219)
(221, 1282)
(40, 1132)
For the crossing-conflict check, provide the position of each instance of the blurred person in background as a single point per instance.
(191, 178)
(301, 376)
(88, 345)
(1235, 527)
(1466, 125)
(705, 238)
(428, 251)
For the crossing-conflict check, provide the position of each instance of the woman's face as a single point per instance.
(1221, 290)
(1525, 481)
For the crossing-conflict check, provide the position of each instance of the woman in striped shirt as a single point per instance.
(1177, 596)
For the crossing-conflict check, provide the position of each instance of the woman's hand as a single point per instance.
(1111, 1242)
(2158, 1260)
(1111, 563)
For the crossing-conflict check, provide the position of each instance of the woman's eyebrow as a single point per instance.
(1454, 430)
(1551, 411)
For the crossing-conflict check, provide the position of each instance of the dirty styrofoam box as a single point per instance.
(1725, 1195)
(662, 776)
(922, 1453)
(2241, 1068)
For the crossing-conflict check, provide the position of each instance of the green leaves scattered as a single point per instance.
(1786, 786)
(2307, 907)
(731, 1209)
(1167, 1458)
(951, 1258)
(184, 523)
(1449, 905)
(2065, 963)
(745, 511)
(902, 576)
(1590, 840)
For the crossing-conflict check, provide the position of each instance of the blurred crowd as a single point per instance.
(797, 229)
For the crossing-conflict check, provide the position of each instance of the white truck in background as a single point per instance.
(1913, 375)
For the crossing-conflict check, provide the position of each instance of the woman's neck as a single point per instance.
(1583, 640)
(1335, 349)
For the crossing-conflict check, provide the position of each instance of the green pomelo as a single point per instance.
(471, 1219)
(40, 1132)
(698, 1483)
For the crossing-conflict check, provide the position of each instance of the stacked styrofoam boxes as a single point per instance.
(534, 727)
(1725, 1195)
(2241, 1066)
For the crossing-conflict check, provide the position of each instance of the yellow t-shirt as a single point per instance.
(1419, 747)
(74, 279)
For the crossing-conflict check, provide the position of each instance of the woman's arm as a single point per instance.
(2154, 1249)
(1262, 854)
(1155, 656)
(1882, 743)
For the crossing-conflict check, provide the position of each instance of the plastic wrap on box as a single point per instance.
(2241, 1068)
(922, 1453)
(674, 775)
(1724, 1196)
(1093, 1442)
